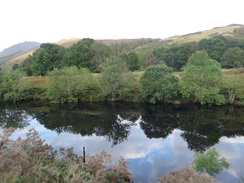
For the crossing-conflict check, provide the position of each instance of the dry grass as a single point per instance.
(186, 175)
(68, 42)
(234, 71)
(225, 31)
(30, 160)
(37, 81)
(17, 60)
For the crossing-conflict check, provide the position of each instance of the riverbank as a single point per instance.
(232, 88)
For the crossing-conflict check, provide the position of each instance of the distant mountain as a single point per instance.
(17, 48)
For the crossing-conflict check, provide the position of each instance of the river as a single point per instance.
(153, 138)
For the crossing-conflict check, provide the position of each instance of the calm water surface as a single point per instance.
(154, 139)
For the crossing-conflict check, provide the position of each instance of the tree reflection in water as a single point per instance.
(202, 127)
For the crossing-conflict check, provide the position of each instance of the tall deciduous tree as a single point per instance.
(41, 62)
(44, 59)
(79, 54)
(158, 84)
(201, 79)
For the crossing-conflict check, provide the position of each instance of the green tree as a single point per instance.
(116, 82)
(25, 65)
(210, 162)
(235, 88)
(214, 46)
(13, 86)
(68, 84)
(40, 62)
(233, 57)
(56, 52)
(15, 66)
(131, 59)
(44, 59)
(158, 84)
(201, 79)
(100, 53)
(175, 56)
(79, 54)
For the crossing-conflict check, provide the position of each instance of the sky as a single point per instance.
(54, 20)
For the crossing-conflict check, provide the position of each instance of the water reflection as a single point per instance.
(153, 138)
(202, 126)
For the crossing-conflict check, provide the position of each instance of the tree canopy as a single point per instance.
(158, 84)
(201, 79)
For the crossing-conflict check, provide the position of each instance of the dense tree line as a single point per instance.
(201, 81)
(94, 55)
(70, 78)
(229, 52)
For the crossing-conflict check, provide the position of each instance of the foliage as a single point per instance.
(100, 53)
(44, 59)
(233, 57)
(214, 46)
(120, 47)
(25, 66)
(116, 82)
(13, 86)
(185, 175)
(68, 84)
(30, 160)
(235, 88)
(131, 59)
(201, 79)
(177, 56)
(158, 84)
(210, 162)
(79, 54)
(15, 66)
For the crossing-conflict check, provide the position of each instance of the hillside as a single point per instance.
(17, 50)
(234, 30)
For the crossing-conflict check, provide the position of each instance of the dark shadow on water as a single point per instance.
(202, 126)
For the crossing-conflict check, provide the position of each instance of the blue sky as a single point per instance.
(53, 20)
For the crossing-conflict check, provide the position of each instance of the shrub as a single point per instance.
(68, 84)
(30, 160)
(185, 175)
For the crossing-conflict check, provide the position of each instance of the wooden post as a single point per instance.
(84, 154)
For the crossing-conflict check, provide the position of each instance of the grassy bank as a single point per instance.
(233, 82)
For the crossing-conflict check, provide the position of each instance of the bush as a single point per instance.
(68, 84)
(158, 84)
(30, 160)
(13, 86)
(185, 175)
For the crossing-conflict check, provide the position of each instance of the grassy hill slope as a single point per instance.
(234, 30)
(228, 31)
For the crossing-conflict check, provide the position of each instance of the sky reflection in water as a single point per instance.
(148, 158)
(151, 148)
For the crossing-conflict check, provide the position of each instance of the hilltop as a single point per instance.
(10, 56)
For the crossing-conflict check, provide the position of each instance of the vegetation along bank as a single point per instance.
(207, 71)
